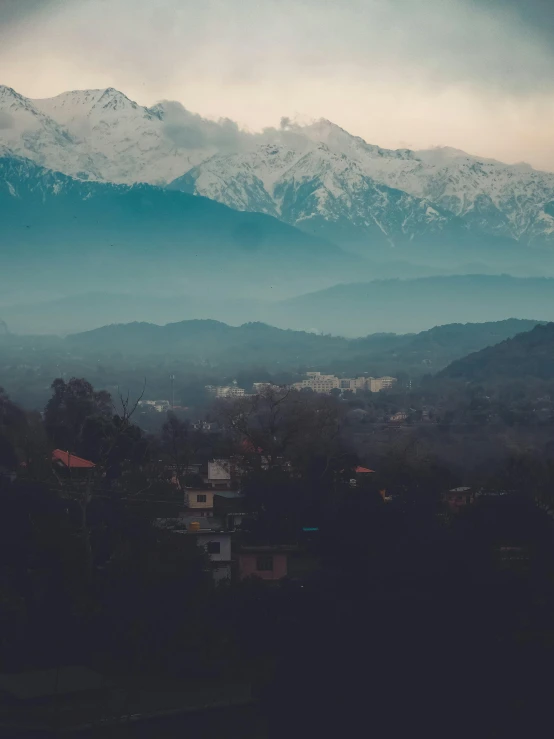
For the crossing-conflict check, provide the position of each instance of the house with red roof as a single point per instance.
(68, 463)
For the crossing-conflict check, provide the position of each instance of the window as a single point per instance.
(264, 563)
(213, 547)
(200, 498)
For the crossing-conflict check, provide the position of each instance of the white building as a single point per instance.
(226, 391)
(208, 534)
(219, 473)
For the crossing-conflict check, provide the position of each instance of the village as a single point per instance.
(216, 513)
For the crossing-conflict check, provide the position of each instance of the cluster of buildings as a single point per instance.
(320, 383)
(234, 391)
(315, 381)
(226, 391)
(213, 516)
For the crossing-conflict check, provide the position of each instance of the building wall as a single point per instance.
(381, 383)
(219, 472)
(224, 540)
(192, 502)
(248, 566)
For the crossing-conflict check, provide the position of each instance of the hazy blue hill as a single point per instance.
(209, 340)
(527, 355)
(415, 305)
(112, 236)
(204, 352)
(258, 343)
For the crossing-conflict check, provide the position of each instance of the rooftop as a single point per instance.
(71, 460)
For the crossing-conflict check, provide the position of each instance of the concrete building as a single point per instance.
(226, 391)
(377, 384)
(200, 502)
(209, 535)
(219, 473)
(325, 383)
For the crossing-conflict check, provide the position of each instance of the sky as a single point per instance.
(477, 75)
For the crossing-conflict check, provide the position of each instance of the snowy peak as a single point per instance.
(303, 174)
(19, 112)
(71, 107)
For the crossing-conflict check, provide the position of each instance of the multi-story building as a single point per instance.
(381, 383)
(226, 391)
(325, 383)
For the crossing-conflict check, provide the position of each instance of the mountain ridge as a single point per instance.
(335, 184)
(148, 238)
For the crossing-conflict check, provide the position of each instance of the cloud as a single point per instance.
(17, 13)
(191, 131)
(500, 44)
(474, 74)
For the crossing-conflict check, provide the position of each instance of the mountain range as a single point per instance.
(350, 309)
(259, 344)
(317, 177)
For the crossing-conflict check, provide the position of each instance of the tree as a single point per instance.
(68, 409)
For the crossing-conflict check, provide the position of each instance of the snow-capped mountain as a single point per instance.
(29, 132)
(318, 177)
(129, 143)
(344, 183)
(95, 134)
(318, 189)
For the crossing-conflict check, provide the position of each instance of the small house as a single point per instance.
(200, 501)
(69, 464)
(265, 562)
(209, 535)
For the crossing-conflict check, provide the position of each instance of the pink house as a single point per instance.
(265, 562)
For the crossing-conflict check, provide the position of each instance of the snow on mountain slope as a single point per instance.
(309, 175)
(314, 188)
(28, 131)
(129, 141)
(94, 134)
(488, 198)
